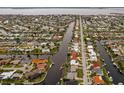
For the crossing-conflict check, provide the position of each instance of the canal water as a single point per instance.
(54, 74)
(114, 72)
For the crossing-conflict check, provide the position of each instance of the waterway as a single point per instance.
(54, 74)
(113, 70)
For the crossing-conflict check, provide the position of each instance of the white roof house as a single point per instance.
(75, 47)
(43, 43)
(73, 62)
(45, 50)
(90, 47)
(93, 58)
(71, 75)
(92, 53)
(15, 61)
(6, 75)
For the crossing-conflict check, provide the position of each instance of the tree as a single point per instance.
(17, 40)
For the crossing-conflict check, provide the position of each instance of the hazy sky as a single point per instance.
(83, 11)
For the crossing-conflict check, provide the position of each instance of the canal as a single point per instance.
(54, 74)
(113, 71)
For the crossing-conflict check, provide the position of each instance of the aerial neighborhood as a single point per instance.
(62, 49)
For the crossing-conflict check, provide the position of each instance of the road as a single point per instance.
(85, 79)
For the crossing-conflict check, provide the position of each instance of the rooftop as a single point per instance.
(38, 61)
(98, 80)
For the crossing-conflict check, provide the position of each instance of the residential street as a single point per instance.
(85, 80)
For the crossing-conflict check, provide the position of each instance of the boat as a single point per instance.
(61, 67)
(53, 63)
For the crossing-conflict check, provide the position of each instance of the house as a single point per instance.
(92, 55)
(75, 47)
(93, 58)
(73, 62)
(6, 75)
(4, 61)
(43, 43)
(73, 68)
(41, 66)
(74, 56)
(71, 75)
(15, 62)
(118, 58)
(39, 61)
(33, 74)
(89, 47)
(45, 50)
(116, 51)
(52, 45)
(98, 71)
(16, 76)
(97, 80)
(95, 65)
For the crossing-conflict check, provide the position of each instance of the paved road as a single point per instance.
(85, 80)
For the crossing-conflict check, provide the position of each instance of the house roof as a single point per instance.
(95, 65)
(73, 62)
(38, 61)
(98, 71)
(41, 66)
(74, 55)
(73, 68)
(90, 47)
(33, 74)
(71, 75)
(98, 80)
(6, 75)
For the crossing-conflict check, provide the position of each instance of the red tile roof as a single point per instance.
(74, 55)
(38, 61)
(98, 80)
(95, 65)
(41, 66)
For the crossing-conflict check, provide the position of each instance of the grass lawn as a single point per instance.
(48, 64)
(79, 81)
(66, 68)
(121, 66)
(79, 73)
(54, 50)
(107, 79)
(18, 66)
(7, 66)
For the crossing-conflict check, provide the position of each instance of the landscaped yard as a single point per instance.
(7, 66)
(107, 79)
(79, 73)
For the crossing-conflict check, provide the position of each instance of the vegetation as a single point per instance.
(79, 73)
(7, 66)
(106, 77)
(121, 67)
(39, 78)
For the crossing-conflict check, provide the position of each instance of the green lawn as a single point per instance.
(7, 66)
(79, 73)
(107, 80)
(18, 66)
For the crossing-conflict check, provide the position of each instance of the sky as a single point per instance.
(45, 11)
